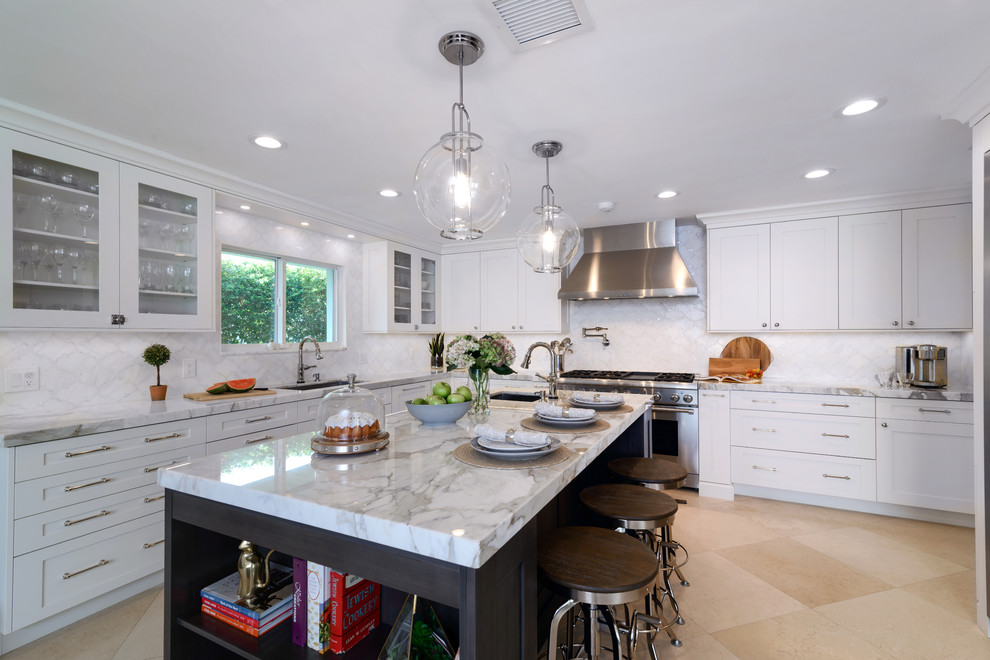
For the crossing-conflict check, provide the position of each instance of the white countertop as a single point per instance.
(413, 495)
(842, 390)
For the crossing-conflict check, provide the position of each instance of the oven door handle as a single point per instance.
(689, 411)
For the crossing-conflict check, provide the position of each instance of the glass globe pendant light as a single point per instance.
(460, 186)
(548, 238)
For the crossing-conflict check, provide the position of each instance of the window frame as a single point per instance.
(281, 262)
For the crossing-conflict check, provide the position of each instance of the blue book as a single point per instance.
(278, 592)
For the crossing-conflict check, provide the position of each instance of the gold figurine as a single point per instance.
(253, 576)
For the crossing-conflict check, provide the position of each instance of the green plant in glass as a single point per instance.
(436, 346)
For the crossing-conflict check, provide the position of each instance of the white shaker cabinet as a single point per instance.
(461, 278)
(714, 445)
(937, 263)
(401, 289)
(500, 290)
(739, 278)
(870, 271)
(804, 291)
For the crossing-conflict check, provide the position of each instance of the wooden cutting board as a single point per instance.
(206, 396)
(749, 347)
(731, 366)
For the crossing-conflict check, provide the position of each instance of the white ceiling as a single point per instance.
(727, 102)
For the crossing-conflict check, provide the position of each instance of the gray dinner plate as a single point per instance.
(515, 455)
(566, 421)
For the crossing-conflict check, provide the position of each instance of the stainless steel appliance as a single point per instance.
(925, 362)
(674, 431)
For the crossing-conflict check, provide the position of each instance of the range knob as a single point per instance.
(688, 398)
(656, 397)
(675, 397)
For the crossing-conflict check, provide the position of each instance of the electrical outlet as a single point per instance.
(20, 379)
(188, 368)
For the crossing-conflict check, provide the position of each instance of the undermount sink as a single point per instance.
(515, 396)
(316, 386)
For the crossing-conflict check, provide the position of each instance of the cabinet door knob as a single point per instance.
(894, 322)
(883, 424)
(776, 325)
(910, 322)
(764, 325)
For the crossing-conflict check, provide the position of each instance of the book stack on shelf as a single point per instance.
(341, 609)
(220, 601)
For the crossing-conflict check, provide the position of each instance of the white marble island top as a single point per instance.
(414, 495)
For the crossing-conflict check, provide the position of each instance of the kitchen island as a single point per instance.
(413, 517)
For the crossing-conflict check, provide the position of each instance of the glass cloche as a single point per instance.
(350, 419)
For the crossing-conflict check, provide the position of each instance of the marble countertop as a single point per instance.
(23, 427)
(413, 495)
(842, 390)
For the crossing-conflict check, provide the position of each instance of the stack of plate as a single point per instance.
(509, 451)
(568, 422)
(595, 400)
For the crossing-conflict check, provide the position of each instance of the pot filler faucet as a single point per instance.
(319, 356)
(557, 350)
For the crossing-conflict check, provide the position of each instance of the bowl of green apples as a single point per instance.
(442, 405)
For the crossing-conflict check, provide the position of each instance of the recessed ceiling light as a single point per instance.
(267, 141)
(388, 192)
(667, 194)
(304, 224)
(219, 212)
(861, 106)
(245, 207)
(817, 174)
(350, 236)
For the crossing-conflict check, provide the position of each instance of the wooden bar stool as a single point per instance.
(597, 569)
(657, 473)
(639, 512)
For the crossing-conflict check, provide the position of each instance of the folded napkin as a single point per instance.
(562, 412)
(597, 397)
(497, 434)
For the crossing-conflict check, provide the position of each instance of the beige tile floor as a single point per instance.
(768, 580)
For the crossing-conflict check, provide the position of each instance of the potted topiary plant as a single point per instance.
(156, 355)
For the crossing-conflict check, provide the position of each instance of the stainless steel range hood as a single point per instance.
(630, 261)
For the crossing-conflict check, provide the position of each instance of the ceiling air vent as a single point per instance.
(530, 23)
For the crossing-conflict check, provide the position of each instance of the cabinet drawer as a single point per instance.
(47, 458)
(44, 529)
(383, 393)
(249, 439)
(230, 424)
(818, 404)
(410, 391)
(308, 409)
(48, 493)
(61, 576)
(855, 478)
(834, 435)
(958, 412)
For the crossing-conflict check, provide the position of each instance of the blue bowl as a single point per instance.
(445, 413)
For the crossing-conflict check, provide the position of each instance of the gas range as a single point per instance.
(666, 388)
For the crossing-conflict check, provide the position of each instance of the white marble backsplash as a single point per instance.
(664, 334)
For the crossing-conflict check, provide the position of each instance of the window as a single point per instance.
(268, 298)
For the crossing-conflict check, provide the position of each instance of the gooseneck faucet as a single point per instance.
(319, 356)
(557, 350)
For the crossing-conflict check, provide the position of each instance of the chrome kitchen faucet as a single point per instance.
(557, 350)
(319, 356)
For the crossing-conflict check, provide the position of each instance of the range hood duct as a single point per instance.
(630, 261)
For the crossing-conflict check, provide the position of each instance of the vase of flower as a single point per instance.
(479, 411)
(492, 352)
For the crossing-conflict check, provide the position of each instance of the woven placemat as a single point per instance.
(534, 424)
(466, 454)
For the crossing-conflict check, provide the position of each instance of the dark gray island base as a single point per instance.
(489, 612)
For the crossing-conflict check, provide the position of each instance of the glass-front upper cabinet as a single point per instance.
(167, 256)
(401, 289)
(59, 213)
(428, 291)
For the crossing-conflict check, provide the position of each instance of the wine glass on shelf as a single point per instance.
(23, 259)
(85, 214)
(166, 230)
(22, 201)
(58, 256)
(187, 238)
(144, 228)
(72, 259)
(36, 252)
(49, 263)
(53, 209)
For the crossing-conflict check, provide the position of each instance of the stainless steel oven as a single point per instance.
(674, 430)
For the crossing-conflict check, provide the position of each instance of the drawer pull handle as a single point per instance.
(768, 469)
(70, 454)
(102, 480)
(713, 395)
(764, 401)
(764, 430)
(155, 469)
(164, 437)
(261, 439)
(103, 562)
(69, 523)
(834, 435)
(258, 419)
(832, 476)
(149, 500)
(935, 410)
(835, 405)
(151, 545)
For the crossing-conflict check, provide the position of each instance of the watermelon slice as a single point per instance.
(241, 385)
(217, 388)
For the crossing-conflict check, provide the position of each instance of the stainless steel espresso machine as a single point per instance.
(925, 363)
